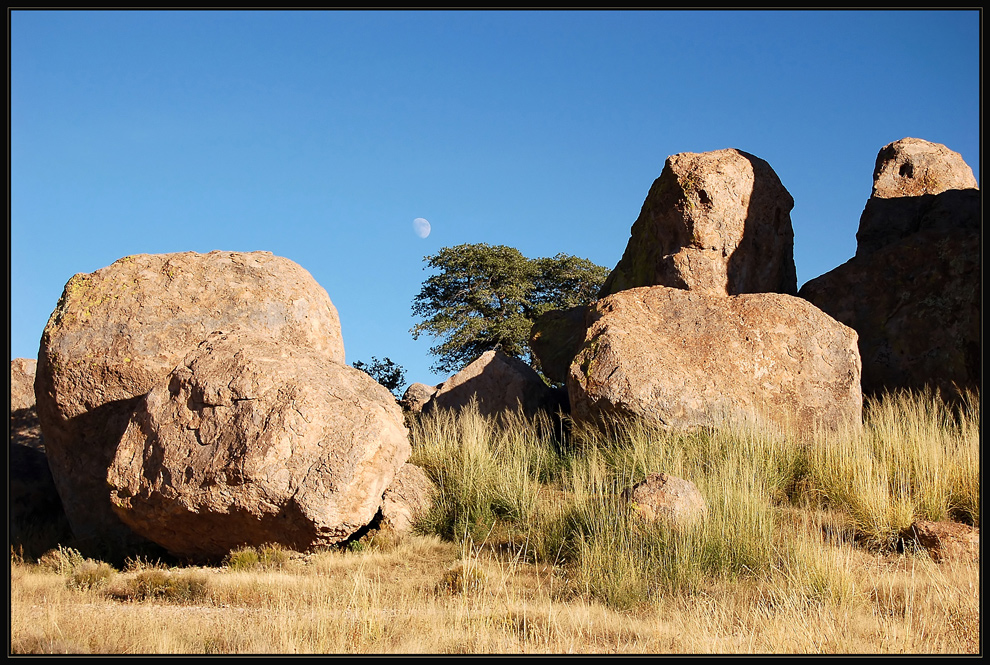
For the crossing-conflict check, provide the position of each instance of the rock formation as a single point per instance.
(409, 497)
(688, 359)
(946, 541)
(22, 372)
(912, 291)
(668, 498)
(34, 500)
(915, 167)
(556, 338)
(416, 396)
(715, 222)
(250, 441)
(499, 383)
(118, 332)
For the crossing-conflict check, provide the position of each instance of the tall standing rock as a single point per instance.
(691, 359)
(717, 222)
(117, 332)
(249, 441)
(912, 291)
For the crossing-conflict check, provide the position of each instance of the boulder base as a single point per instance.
(408, 497)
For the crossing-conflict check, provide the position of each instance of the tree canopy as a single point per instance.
(485, 297)
(388, 373)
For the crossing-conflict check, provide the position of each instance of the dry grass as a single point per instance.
(402, 601)
(530, 550)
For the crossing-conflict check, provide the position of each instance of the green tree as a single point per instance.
(485, 297)
(389, 374)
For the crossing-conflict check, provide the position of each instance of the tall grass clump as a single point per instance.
(488, 470)
(625, 560)
(916, 457)
(557, 496)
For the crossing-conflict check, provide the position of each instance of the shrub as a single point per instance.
(270, 556)
(160, 584)
(244, 558)
(61, 560)
(464, 577)
(90, 575)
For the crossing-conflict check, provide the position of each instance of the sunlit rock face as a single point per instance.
(118, 332)
(687, 359)
(250, 442)
(716, 222)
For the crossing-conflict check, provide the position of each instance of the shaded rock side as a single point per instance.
(716, 222)
(416, 396)
(25, 430)
(117, 332)
(249, 441)
(34, 503)
(912, 291)
(916, 308)
(499, 383)
(408, 497)
(669, 498)
(555, 339)
(688, 359)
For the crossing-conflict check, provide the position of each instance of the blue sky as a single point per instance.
(320, 136)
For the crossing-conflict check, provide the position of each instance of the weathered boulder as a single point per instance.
(25, 430)
(913, 290)
(34, 502)
(416, 396)
(499, 383)
(916, 307)
(556, 338)
(408, 497)
(689, 359)
(119, 331)
(22, 372)
(914, 167)
(946, 541)
(717, 222)
(668, 498)
(249, 441)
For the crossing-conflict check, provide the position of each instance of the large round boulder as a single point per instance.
(248, 441)
(117, 332)
(688, 359)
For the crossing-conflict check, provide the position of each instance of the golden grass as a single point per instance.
(530, 549)
(396, 602)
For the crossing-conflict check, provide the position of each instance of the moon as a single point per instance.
(421, 227)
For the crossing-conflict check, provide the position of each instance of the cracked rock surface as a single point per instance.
(117, 332)
(249, 442)
(692, 359)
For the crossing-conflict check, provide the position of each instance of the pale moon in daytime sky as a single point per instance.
(421, 227)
